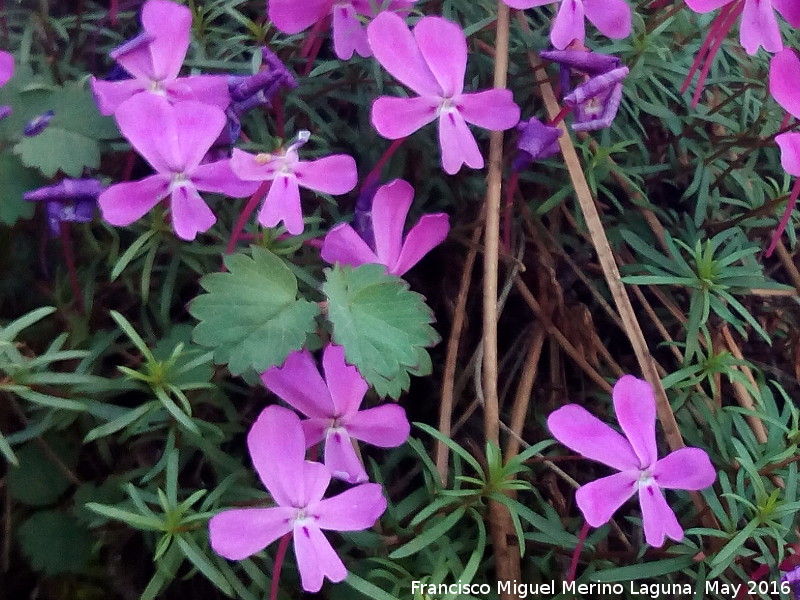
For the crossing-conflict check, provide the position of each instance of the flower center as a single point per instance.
(157, 87)
(263, 158)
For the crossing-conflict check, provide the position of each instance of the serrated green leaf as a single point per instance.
(38, 481)
(15, 180)
(57, 149)
(251, 315)
(382, 325)
(54, 543)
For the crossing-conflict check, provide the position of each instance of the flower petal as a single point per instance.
(568, 24)
(124, 203)
(315, 479)
(335, 174)
(219, 177)
(790, 152)
(135, 57)
(444, 48)
(353, 510)
(582, 432)
(171, 25)
(291, 16)
(345, 246)
(396, 49)
(6, 67)
(658, 518)
(251, 167)
(384, 426)
(150, 124)
(790, 10)
(299, 383)
(491, 109)
(199, 125)
(523, 4)
(283, 204)
(600, 499)
(685, 469)
(239, 533)
(611, 17)
(190, 213)
(108, 95)
(346, 385)
(316, 558)
(349, 35)
(341, 458)
(207, 89)
(457, 143)
(429, 232)
(759, 27)
(395, 118)
(389, 211)
(314, 430)
(277, 448)
(704, 6)
(784, 73)
(635, 407)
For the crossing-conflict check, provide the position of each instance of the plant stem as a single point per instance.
(576, 554)
(787, 214)
(276, 570)
(375, 173)
(69, 258)
(244, 216)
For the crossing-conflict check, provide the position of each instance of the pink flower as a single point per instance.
(174, 140)
(6, 67)
(335, 174)
(432, 62)
(759, 27)
(784, 85)
(333, 407)
(277, 449)
(389, 211)
(154, 59)
(349, 34)
(611, 17)
(635, 457)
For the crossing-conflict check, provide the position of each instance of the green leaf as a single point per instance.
(15, 180)
(365, 587)
(135, 520)
(646, 570)
(39, 481)
(429, 535)
(251, 315)
(382, 325)
(57, 149)
(55, 543)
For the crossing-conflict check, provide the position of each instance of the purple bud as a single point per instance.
(276, 65)
(537, 141)
(5, 110)
(254, 101)
(362, 219)
(596, 101)
(591, 63)
(71, 200)
(793, 579)
(254, 84)
(139, 42)
(38, 124)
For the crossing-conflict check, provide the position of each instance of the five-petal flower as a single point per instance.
(174, 140)
(784, 85)
(390, 207)
(277, 448)
(332, 406)
(636, 459)
(432, 61)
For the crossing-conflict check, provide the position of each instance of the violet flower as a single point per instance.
(793, 579)
(784, 86)
(759, 26)
(332, 406)
(277, 448)
(349, 34)
(38, 124)
(154, 59)
(611, 17)
(432, 62)
(70, 200)
(635, 456)
(388, 216)
(596, 101)
(537, 141)
(174, 140)
(335, 174)
(6, 73)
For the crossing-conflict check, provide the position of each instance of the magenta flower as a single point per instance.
(611, 17)
(432, 62)
(154, 59)
(759, 26)
(389, 211)
(277, 449)
(349, 34)
(635, 457)
(174, 140)
(335, 174)
(597, 100)
(537, 141)
(332, 406)
(6, 67)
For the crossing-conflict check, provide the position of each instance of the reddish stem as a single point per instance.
(562, 114)
(312, 56)
(787, 214)
(113, 10)
(576, 554)
(69, 257)
(375, 173)
(276, 570)
(126, 174)
(244, 216)
(724, 28)
(787, 118)
(711, 37)
(511, 189)
(311, 37)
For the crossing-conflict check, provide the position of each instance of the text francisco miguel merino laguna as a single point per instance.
(551, 588)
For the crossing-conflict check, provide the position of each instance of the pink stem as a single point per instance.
(562, 114)
(113, 10)
(69, 258)
(576, 554)
(375, 173)
(787, 118)
(244, 216)
(711, 37)
(126, 174)
(787, 214)
(276, 570)
(311, 37)
(724, 28)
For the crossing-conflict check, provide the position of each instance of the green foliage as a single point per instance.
(382, 325)
(55, 543)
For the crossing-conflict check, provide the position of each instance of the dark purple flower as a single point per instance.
(591, 63)
(793, 579)
(38, 124)
(596, 101)
(71, 200)
(537, 141)
(5, 110)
